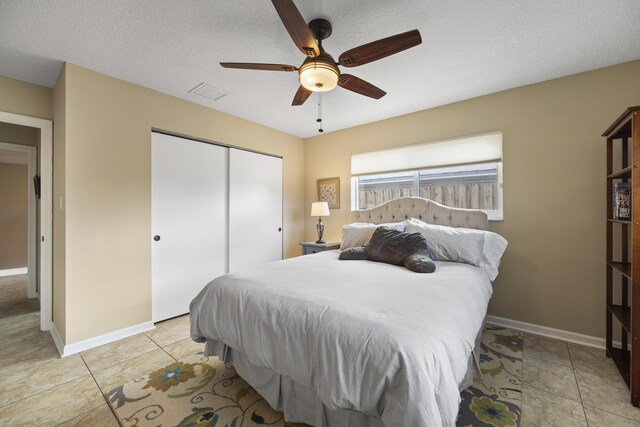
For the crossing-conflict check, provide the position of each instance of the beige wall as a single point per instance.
(25, 98)
(554, 189)
(106, 168)
(552, 273)
(13, 215)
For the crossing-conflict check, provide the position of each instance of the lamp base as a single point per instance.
(320, 230)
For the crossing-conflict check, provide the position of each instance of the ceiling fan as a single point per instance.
(319, 72)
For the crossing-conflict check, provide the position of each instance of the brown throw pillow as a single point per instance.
(420, 264)
(393, 246)
(355, 253)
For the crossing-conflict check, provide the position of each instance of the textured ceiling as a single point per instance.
(470, 48)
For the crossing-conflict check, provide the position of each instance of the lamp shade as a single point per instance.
(320, 209)
(319, 75)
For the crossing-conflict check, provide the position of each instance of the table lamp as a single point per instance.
(320, 209)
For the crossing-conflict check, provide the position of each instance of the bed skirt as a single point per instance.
(299, 403)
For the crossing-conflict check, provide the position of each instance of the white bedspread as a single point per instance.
(362, 335)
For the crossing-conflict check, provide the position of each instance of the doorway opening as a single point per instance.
(26, 218)
(18, 213)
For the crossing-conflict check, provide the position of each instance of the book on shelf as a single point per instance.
(622, 201)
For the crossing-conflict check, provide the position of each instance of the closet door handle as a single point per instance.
(279, 228)
(156, 237)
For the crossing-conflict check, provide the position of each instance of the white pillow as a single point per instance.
(358, 233)
(476, 247)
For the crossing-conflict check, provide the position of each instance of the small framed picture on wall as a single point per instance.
(329, 191)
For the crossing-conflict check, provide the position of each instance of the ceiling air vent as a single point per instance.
(208, 91)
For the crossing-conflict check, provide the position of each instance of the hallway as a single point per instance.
(23, 344)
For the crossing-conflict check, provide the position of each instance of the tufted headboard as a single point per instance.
(397, 210)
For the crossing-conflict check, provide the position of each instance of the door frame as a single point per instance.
(46, 209)
(32, 170)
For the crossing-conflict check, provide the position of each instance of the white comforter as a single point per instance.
(365, 336)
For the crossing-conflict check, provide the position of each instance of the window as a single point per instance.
(444, 172)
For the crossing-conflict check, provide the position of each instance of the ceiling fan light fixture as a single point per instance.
(319, 75)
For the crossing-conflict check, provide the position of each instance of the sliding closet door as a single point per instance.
(189, 191)
(255, 209)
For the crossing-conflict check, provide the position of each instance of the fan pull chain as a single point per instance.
(319, 119)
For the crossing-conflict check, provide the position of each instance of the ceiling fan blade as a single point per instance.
(255, 66)
(297, 27)
(357, 85)
(301, 96)
(380, 49)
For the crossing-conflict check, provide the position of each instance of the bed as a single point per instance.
(353, 343)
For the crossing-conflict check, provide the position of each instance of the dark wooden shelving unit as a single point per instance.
(618, 221)
(623, 267)
(623, 314)
(623, 173)
(624, 236)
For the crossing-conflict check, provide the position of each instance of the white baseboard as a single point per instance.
(574, 337)
(546, 331)
(13, 271)
(69, 349)
(57, 340)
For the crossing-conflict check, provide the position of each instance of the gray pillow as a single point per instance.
(420, 264)
(393, 246)
(355, 253)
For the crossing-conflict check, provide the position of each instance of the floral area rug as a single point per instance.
(495, 399)
(204, 391)
(200, 391)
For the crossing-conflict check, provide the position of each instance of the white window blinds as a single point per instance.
(486, 147)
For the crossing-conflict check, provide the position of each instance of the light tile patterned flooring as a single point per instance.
(563, 384)
(38, 388)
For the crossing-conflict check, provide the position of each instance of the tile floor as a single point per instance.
(38, 388)
(563, 384)
(566, 384)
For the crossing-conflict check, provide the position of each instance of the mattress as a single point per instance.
(357, 336)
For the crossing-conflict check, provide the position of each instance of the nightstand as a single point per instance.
(313, 247)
